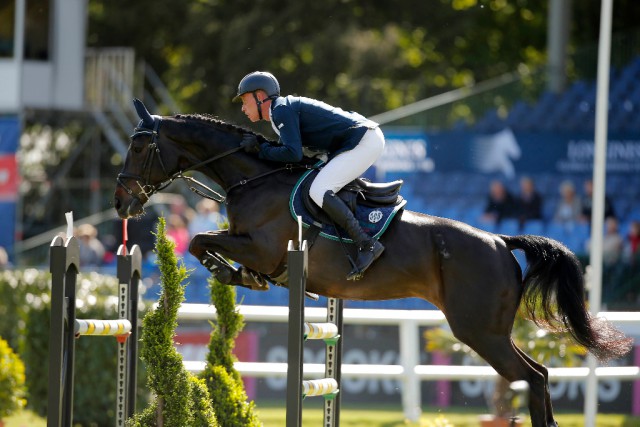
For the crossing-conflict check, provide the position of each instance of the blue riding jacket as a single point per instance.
(313, 124)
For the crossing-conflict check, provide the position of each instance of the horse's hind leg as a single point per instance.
(551, 422)
(500, 352)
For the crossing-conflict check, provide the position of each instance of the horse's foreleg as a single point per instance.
(249, 250)
(212, 248)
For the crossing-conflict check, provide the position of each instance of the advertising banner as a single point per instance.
(9, 138)
(506, 152)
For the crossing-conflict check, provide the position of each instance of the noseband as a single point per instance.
(144, 182)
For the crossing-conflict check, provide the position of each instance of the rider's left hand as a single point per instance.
(250, 143)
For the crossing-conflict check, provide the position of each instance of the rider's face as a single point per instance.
(250, 107)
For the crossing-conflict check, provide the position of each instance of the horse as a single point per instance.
(469, 274)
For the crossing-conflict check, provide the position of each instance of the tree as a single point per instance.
(364, 56)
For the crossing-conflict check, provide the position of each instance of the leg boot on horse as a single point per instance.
(227, 274)
(369, 249)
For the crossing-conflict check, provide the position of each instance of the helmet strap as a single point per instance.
(259, 104)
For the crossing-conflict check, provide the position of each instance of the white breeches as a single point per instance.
(347, 166)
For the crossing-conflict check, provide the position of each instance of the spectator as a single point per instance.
(179, 206)
(207, 218)
(569, 208)
(632, 244)
(91, 249)
(177, 231)
(4, 259)
(500, 204)
(529, 201)
(612, 250)
(586, 202)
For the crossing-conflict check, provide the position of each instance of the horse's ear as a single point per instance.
(143, 113)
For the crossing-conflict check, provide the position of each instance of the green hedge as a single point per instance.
(25, 312)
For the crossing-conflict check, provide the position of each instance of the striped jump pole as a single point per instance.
(299, 330)
(65, 328)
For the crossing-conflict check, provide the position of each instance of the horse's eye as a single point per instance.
(137, 146)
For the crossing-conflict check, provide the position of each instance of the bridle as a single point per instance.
(147, 188)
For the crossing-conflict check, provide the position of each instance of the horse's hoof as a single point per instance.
(254, 280)
(223, 275)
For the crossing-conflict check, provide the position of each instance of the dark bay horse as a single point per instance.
(469, 274)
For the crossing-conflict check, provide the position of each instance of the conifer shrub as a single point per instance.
(180, 398)
(223, 381)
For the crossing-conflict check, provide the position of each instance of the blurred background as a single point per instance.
(488, 107)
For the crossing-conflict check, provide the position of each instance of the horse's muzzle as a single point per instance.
(126, 205)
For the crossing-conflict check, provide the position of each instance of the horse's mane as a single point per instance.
(220, 124)
(212, 120)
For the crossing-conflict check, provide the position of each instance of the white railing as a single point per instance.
(409, 371)
(109, 76)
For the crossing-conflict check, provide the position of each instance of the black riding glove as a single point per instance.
(250, 143)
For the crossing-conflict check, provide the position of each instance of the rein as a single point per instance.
(149, 190)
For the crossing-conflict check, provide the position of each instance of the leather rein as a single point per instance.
(148, 189)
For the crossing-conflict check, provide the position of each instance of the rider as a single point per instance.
(351, 142)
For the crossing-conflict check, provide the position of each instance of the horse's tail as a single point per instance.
(554, 296)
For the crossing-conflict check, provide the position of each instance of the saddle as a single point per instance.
(373, 204)
(360, 191)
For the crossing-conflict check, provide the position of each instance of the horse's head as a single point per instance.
(144, 170)
(162, 148)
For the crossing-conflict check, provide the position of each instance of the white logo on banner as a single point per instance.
(495, 153)
(405, 155)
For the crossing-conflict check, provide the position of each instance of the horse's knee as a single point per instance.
(196, 247)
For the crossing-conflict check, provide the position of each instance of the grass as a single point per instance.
(273, 415)
(25, 419)
(360, 415)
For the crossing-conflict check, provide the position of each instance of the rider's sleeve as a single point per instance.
(287, 122)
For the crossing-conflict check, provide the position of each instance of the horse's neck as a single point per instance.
(232, 168)
(206, 139)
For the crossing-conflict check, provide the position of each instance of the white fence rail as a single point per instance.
(409, 371)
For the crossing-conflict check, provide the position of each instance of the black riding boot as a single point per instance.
(369, 249)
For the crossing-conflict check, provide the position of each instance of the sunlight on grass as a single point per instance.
(274, 414)
(25, 419)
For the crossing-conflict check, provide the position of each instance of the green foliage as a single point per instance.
(12, 381)
(559, 348)
(222, 379)
(25, 297)
(364, 56)
(180, 398)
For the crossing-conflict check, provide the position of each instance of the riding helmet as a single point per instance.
(258, 80)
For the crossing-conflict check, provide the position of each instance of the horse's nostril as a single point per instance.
(117, 203)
